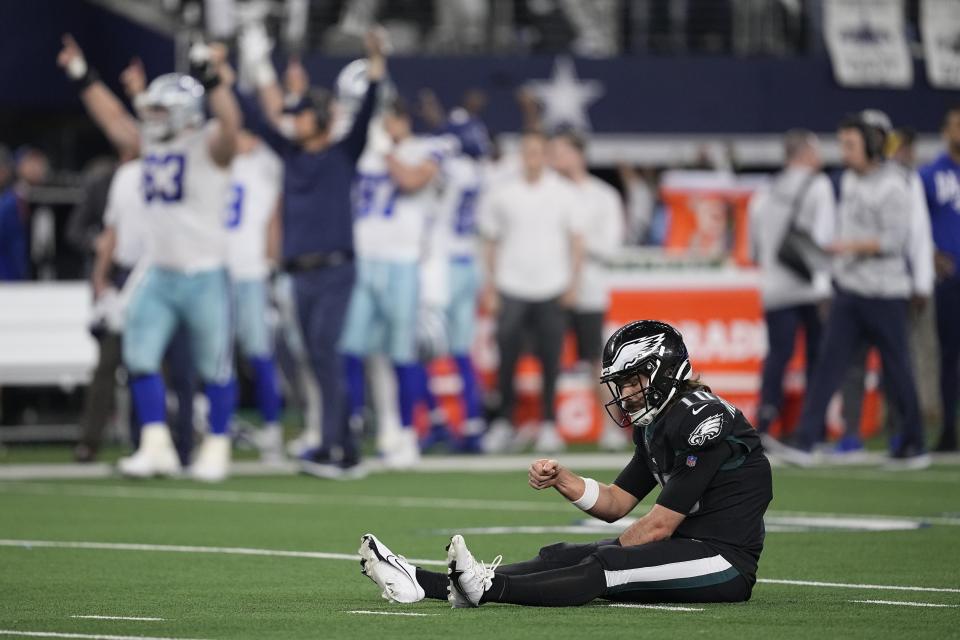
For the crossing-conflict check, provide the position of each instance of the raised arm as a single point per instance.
(103, 106)
(255, 46)
(209, 65)
(356, 138)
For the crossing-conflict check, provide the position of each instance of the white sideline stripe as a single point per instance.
(86, 636)
(660, 607)
(265, 497)
(907, 604)
(481, 464)
(319, 555)
(845, 585)
(135, 618)
(392, 613)
(242, 551)
(671, 571)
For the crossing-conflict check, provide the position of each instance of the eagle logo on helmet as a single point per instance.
(634, 352)
(706, 430)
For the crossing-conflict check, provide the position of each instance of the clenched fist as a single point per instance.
(544, 473)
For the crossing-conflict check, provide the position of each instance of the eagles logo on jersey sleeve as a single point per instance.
(704, 421)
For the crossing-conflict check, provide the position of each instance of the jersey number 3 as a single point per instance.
(163, 177)
(235, 206)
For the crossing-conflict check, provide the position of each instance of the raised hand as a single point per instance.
(134, 78)
(71, 53)
(295, 79)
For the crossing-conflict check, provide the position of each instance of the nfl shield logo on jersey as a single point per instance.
(691, 461)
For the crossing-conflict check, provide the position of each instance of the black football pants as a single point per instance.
(563, 575)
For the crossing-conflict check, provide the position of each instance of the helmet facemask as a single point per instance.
(648, 360)
(650, 391)
(155, 124)
(171, 104)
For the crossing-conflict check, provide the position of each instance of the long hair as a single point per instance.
(693, 384)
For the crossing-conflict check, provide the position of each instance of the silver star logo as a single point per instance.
(565, 98)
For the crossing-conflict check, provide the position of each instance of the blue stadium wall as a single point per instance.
(642, 95)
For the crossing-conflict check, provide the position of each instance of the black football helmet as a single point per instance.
(647, 348)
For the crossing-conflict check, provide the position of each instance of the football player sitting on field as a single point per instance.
(700, 542)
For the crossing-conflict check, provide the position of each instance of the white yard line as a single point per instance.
(659, 607)
(84, 636)
(321, 555)
(134, 618)
(169, 548)
(871, 475)
(392, 613)
(907, 604)
(845, 585)
(264, 497)
(410, 502)
(487, 464)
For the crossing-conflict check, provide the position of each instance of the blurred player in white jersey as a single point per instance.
(462, 178)
(393, 199)
(253, 226)
(603, 234)
(186, 169)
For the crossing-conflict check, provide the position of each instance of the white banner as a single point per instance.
(940, 26)
(867, 44)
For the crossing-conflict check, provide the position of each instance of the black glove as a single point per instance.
(202, 67)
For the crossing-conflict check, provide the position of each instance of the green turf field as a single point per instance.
(228, 594)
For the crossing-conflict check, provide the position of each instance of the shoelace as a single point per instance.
(489, 570)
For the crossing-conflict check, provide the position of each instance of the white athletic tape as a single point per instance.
(591, 493)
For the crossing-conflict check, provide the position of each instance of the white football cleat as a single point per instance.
(469, 579)
(269, 442)
(498, 437)
(156, 455)
(405, 451)
(307, 441)
(549, 440)
(791, 455)
(613, 438)
(396, 577)
(213, 462)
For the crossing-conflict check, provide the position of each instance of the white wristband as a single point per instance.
(76, 68)
(591, 493)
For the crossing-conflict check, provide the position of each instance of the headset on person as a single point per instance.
(874, 126)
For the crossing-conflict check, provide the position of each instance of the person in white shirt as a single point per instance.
(799, 195)
(186, 169)
(253, 241)
(603, 235)
(394, 198)
(533, 250)
(921, 262)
